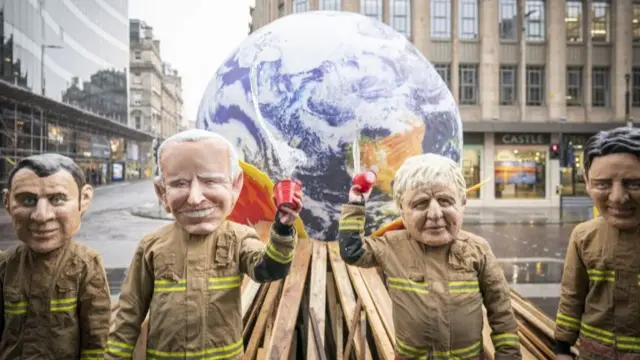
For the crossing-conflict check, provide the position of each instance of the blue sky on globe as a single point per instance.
(300, 94)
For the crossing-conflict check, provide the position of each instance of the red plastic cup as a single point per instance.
(365, 180)
(283, 192)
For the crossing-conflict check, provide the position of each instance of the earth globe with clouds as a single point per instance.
(301, 95)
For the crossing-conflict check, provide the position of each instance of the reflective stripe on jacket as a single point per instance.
(437, 293)
(600, 297)
(55, 305)
(191, 286)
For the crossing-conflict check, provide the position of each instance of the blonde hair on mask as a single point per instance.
(421, 170)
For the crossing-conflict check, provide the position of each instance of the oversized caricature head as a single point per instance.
(46, 196)
(430, 193)
(612, 175)
(199, 179)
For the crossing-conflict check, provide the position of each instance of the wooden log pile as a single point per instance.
(326, 309)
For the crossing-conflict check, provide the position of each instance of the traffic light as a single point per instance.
(554, 152)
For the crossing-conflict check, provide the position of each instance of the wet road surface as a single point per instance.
(532, 254)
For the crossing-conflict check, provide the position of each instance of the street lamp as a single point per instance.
(42, 77)
(627, 101)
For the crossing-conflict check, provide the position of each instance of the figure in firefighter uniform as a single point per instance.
(188, 274)
(600, 297)
(438, 275)
(55, 291)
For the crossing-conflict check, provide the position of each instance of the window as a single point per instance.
(573, 20)
(520, 173)
(471, 158)
(535, 85)
(300, 5)
(600, 21)
(635, 22)
(444, 70)
(468, 19)
(440, 19)
(137, 55)
(329, 5)
(635, 87)
(401, 16)
(600, 97)
(371, 9)
(138, 122)
(534, 12)
(508, 20)
(136, 98)
(508, 85)
(574, 86)
(136, 78)
(468, 84)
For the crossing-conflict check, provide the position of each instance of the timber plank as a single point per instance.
(336, 317)
(259, 329)
(382, 299)
(345, 294)
(283, 330)
(248, 296)
(317, 296)
(247, 324)
(385, 346)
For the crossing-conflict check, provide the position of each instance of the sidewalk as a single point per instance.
(526, 216)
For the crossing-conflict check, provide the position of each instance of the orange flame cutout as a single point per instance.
(255, 202)
(397, 224)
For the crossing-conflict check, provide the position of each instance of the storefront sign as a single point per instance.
(522, 139)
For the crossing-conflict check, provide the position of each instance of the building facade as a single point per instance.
(63, 85)
(156, 87)
(526, 74)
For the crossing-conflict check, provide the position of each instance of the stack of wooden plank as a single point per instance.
(326, 309)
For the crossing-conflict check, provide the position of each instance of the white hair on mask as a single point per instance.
(195, 135)
(421, 170)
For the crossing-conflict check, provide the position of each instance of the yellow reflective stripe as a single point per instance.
(62, 305)
(222, 283)
(410, 351)
(407, 285)
(224, 352)
(277, 255)
(505, 339)
(468, 352)
(97, 354)
(15, 307)
(351, 224)
(628, 343)
(601, 335)
(464, 286)
(601, 275)
(568, 321)
(169, 285)
(120, 349)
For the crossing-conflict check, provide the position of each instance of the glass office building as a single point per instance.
(63, 85)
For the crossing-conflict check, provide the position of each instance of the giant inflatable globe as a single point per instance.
(299, 97)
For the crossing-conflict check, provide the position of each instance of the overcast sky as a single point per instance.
(195, 37)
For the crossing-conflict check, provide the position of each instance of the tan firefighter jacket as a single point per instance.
(600, 298)
(191, 287)
(437, 294)
(56, 305)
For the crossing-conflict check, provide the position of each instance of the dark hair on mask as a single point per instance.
(46, 165)
(622, 140)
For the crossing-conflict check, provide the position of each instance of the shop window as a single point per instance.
(520, 174)
(508, 85)
(572, 176)
(471, 160)
(574, 86)
(573, 21)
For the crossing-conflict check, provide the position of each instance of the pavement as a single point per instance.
(530, 243)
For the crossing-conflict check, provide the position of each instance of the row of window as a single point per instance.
(535, 89)
(400, 18)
